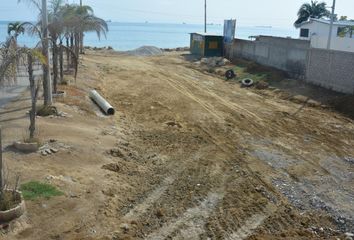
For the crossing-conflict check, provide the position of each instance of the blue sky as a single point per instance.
(280, 13)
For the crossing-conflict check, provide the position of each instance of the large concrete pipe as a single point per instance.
(102, 103)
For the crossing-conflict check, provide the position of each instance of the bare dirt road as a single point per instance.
(188, 156)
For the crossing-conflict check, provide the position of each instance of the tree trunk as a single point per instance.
(77, 44)
(34, 92)
(61, 62)
(45, 68)
(82, 47)
(1, 167)
(55, 67)
(72, 48)
(68, 54)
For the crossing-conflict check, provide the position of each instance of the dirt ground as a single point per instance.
(187, 156)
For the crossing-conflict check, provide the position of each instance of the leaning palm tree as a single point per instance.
(91, 23)
(82, 11)
(314, 9)
(81, 19)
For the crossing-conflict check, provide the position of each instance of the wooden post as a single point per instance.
(1, 165)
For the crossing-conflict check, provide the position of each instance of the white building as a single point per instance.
(317, 31)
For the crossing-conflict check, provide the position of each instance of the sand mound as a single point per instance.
(146, 51)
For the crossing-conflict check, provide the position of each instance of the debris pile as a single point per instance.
(146, 51)
(179, 49)
(214, 62)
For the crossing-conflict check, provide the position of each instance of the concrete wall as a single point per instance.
(331, 69)
(289, 55)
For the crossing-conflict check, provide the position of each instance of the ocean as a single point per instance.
(128, 36)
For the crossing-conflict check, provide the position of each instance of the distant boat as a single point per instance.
(146, 22)
(264, 27)
(109, 21)
(184, 23)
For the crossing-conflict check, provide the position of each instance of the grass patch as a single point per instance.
(268, 73)
(242, 74)
(257, 72)
(33, 190)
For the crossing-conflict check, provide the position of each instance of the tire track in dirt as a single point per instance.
(185, 91)
(181, 228)
(141, 208)
(191, 223)
(254, 119)
(231, 105)
(204, 89)
(250, 225)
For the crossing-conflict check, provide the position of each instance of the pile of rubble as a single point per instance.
(179, 49)
(213, 62)
(145, 51)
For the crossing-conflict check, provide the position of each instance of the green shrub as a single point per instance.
(33, 190)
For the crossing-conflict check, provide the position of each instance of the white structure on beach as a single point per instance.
(317, 31)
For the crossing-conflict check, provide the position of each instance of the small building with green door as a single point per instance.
(206, 45)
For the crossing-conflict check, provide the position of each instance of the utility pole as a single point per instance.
(48, 99)
(81, 3)
(205, 16)
(331, 26)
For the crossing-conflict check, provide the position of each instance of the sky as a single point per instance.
(279, 13)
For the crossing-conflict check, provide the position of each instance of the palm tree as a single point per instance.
(314, 9)
(91, 23)
(70, 22)
(10, 52)
(9, 56)
(16, 29)
(86, 21)
(81, 19)
(55, 28)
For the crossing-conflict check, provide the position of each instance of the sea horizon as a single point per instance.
(123, 36)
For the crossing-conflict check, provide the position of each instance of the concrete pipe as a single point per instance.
(102, 103)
